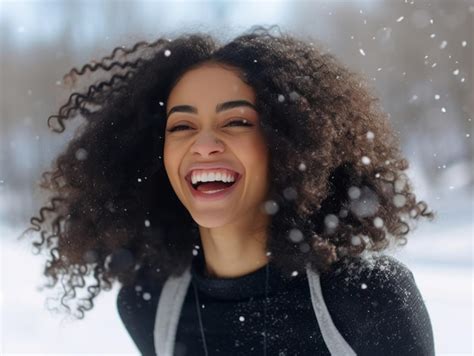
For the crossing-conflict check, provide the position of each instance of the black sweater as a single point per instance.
(374, 303)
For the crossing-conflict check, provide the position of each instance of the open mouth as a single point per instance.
(212, 190)
(212, 187)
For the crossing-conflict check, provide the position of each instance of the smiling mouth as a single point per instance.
(208, 191)
(212, 187)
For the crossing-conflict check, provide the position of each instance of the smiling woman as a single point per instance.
(242, 195)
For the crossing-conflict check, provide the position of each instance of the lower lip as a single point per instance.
(213, 196)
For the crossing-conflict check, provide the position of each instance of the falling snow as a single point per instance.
(399, 200)
(354, 192)
(366, 204)
(81, 154)
(271, 207)
(343, 213)
(365, 160)
(378, 222)
(290, 193)
(294, 96)
(355, 240)
(331, 221)
(304, 247)
(295, 235)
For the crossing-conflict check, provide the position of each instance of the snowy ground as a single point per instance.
(439, 255)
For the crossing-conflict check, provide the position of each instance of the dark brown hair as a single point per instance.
(338, 186)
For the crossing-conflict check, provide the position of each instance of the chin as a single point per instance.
(210, 220)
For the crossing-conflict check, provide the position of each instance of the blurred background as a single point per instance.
(418, 56)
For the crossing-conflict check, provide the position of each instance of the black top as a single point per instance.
(374, 303)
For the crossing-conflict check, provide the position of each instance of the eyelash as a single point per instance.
(241, 121)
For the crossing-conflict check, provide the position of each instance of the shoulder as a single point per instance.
(376, 305)
(384, 280)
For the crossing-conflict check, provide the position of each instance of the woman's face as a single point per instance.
(217, 126)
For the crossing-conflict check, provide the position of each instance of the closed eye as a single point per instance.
(176, 128)
(241, 122)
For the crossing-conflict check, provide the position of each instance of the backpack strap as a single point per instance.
(168, 312)
(333, 339)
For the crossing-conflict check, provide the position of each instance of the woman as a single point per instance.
(242, 194)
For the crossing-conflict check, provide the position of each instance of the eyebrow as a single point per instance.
(219, 107)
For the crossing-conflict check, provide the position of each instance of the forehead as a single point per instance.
(210, 83)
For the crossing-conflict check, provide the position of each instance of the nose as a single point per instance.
(207, 144)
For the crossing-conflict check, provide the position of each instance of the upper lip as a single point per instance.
(215, 165)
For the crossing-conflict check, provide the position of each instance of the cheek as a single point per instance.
(260, 152)
(256, 158)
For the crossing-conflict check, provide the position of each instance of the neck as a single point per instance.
(232, 251)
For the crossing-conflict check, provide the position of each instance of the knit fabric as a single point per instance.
(373, 302)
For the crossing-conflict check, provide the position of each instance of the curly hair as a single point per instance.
(338, 186)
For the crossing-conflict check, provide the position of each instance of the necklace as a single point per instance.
(264, 316)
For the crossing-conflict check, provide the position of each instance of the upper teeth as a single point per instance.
(212, 176)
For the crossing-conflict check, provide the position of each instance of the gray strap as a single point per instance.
(335, 343)
(168, 312)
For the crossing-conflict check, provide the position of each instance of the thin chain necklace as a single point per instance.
(264, 316)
